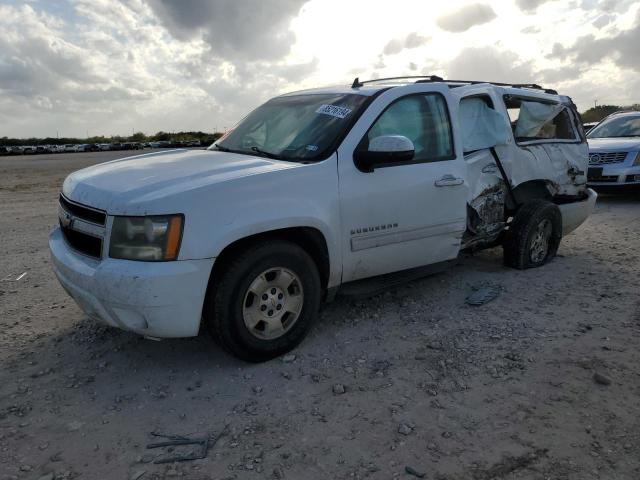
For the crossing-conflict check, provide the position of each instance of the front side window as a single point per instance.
(533, 121)
(623, 126)
(423, 119)
(297, 128)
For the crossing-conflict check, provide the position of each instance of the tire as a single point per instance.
(240, 311)
(534, 235)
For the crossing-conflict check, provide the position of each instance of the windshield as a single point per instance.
(623, 126)
(297, 128)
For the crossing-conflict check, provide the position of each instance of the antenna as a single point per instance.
(356, 83)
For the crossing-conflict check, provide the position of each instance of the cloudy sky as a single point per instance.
(113, 66)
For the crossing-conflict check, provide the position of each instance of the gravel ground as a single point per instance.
(541, 383)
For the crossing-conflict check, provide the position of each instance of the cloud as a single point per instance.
(393, 47)
(552, 76)
(530, 29)
(530, 6)
(396, 45)
(505, 66)
(466, 17)
(232, 28)
(490, 64)
(603, 21)
(621, 49)
(111, 65)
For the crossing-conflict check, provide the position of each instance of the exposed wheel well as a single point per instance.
(531, 190)
(308, 238)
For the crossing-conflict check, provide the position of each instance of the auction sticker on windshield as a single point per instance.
(334, 111)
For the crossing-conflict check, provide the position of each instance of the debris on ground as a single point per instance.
(136, 475)
(404, 429)
(483, 294)
(510, 464)
(201, 447)
(415, 473)
(338, 389)
(601, 379)
(289, 358)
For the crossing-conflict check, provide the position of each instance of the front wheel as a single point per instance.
(265, 301)
(534, 235)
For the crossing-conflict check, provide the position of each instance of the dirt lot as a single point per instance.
(411, 378)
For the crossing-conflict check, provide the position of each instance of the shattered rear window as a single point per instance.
(532, 120)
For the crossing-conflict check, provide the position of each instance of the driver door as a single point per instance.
(409, 213)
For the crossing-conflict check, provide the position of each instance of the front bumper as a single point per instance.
(156, 299)
(613, 175)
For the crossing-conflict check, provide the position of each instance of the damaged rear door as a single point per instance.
(549, 145)
(484, 134)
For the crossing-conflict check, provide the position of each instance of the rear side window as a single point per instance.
(423, 119)
(532, 120)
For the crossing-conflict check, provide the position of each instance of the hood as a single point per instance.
(614, 144)
(134, 181)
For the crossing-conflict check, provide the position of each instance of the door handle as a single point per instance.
(449, 181)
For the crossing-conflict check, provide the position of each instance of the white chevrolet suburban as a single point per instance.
(315, 191)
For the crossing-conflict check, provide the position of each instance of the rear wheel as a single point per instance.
(534, 235)
(265, 301)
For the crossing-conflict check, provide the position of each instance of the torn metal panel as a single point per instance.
(562, 165)
(570, 163)
(489, 208)
(486, 199)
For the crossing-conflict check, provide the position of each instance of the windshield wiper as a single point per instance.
(266, 154)
(221, 148)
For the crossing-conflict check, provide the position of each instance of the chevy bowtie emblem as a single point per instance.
(66, 220)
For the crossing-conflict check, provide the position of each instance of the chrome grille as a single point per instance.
(85, 213)
(82, 227)
(605, 158)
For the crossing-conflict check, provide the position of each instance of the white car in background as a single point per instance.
(315, 192)
(614, 152)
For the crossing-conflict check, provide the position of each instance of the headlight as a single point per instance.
(151, 239)
(636, 162)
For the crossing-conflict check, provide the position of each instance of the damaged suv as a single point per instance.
(317, 191)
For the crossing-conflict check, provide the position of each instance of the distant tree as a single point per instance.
(162, 136)
(203, 137)
(595, 114)
(138, 137)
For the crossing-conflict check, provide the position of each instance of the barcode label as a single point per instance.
(339, 112)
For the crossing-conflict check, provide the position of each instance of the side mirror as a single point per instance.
(384, 150)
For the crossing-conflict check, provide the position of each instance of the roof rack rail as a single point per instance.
(533, 86)
(427, 78)
(434, 78)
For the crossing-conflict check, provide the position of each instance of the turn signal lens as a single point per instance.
(173, 238)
